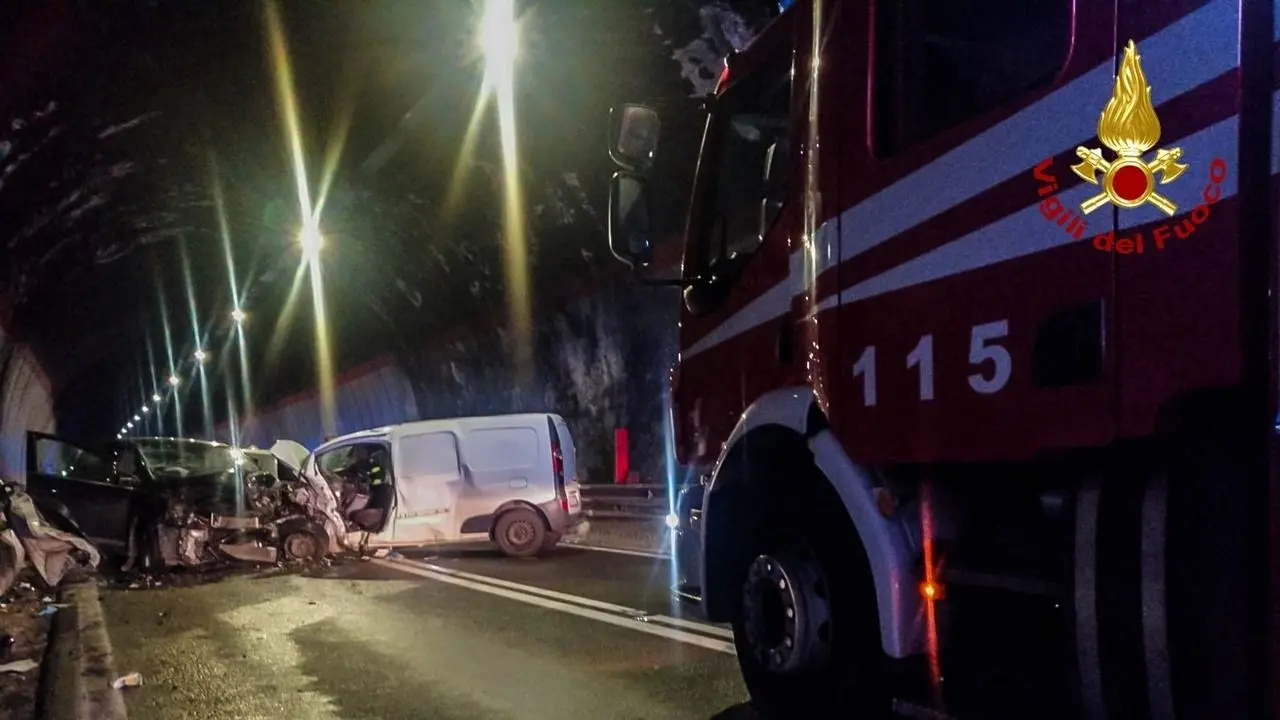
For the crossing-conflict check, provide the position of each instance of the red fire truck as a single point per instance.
(970, 450)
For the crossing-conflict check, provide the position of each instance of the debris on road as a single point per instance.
(42, 537)
(39, 545)
(133, 679)
(19, 666)
(23, 637)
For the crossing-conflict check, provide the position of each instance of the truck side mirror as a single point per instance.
(777, 165)
(629, 227)
(633, 136)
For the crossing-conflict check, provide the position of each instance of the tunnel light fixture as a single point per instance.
(145, 409)
(238, 315)
(173, 380)
(137, 419)
(310, 241)
(199, 355)
(129, 425)
(155, 398)
(499, 38)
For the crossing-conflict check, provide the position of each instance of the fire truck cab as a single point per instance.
(970, 450)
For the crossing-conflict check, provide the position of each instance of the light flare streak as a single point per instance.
(224, 231)
(309, 212)
(500, 38)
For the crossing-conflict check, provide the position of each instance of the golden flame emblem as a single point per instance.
(1129, 128)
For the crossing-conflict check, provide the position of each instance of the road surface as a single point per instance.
(469, 636)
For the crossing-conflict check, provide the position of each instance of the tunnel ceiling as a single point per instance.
(144, 146)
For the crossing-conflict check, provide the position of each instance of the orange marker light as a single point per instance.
(932, 591)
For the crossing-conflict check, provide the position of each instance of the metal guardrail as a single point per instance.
(625, 502)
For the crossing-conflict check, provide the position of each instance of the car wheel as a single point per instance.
(302, 543)
(806, 628)
(520, 532)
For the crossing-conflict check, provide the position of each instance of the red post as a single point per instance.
(621, 456)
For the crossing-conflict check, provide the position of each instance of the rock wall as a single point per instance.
(602, 362)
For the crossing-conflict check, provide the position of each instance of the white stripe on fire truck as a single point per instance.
(989, 158)
(1027, 232)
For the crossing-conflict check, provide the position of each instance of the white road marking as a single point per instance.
(633, 613)
(620, 551)
(618, 615)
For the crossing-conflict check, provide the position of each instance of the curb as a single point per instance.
(646, 535)
(79, 661)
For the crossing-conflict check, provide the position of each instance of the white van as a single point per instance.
(510, 479)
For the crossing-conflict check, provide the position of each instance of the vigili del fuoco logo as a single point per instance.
(1129, 128)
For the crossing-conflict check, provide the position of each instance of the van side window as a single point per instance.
(747, 122)
(498, 449)
(429, 455)
(938, 64)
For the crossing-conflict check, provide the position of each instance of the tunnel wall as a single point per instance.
(26, 401)
(370, 395)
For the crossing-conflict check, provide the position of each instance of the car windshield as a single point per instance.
(181, 458)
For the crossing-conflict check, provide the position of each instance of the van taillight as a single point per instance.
(557, 465)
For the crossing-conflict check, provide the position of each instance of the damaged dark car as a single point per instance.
(172, 502)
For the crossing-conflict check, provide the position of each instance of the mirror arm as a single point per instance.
(680, 282)
(668, 282)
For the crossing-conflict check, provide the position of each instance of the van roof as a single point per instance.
(385, 430)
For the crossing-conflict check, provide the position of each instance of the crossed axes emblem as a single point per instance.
(1126, 168)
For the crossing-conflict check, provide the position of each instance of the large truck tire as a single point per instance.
(806, 628)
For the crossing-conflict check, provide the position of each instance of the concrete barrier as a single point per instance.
(650, 535)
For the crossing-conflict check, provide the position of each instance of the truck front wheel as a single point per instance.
(806, 628)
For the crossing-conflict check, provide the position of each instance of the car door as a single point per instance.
(428, 482)
(87, 482)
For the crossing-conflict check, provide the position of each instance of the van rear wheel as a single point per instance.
(520, 533)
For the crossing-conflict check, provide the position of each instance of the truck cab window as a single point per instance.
(940, 64)
(750, 118)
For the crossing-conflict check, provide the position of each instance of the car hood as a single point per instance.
(323, 498)
(290, 453)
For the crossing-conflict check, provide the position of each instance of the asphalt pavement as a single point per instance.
(457, 636)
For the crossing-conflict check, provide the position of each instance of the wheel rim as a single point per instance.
(300, 545)
(786, 615)
(520, 533)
